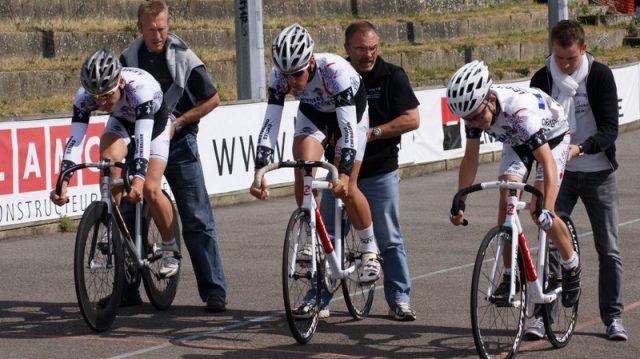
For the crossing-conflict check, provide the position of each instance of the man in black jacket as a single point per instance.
(587, 90)
(393, 110)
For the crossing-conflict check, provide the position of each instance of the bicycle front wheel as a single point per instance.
(300, 284)
(559, 321)
(358, 296)
(497, 325)
(98, 276)
(160, 290)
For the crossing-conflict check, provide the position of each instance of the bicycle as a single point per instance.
(107, 255)
(311, 261)
(498, 322)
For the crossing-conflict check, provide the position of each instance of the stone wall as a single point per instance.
(58, 43)
(223, 9)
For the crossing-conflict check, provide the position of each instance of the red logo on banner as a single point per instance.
(447, 117)
(31, 159)
(6, 165)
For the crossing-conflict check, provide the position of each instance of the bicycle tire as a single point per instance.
(160, 290)
(98, 286)
(357, 296)
(298, 280)
(497, 329)
(559, 321)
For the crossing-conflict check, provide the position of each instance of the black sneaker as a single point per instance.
(500, 296)
(570, 286)
(215, 304)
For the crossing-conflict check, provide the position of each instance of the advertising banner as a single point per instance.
(31, 151)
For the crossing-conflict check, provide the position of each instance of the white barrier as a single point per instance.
(30, 151)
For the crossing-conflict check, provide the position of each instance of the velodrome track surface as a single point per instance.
(39, 317)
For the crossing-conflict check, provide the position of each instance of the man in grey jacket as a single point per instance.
(190, 95)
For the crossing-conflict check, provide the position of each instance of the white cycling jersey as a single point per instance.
(333, 100)
(525, 113)
(527, 118)
(139, 112)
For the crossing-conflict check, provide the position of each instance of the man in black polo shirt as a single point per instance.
(393, 110)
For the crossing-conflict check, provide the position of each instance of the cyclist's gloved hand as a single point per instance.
(62, 199)
(262, 192)
(340, 189)
(545, 219)
(458, 218)
(135, 194)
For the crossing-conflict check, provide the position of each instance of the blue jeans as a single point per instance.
(599, 194)
(185, 176)
(383, 194)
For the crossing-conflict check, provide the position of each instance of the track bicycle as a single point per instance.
(498, 321)
(311, 263)
(107, 255)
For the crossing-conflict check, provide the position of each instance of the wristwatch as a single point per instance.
(376, 132)
(580, 150)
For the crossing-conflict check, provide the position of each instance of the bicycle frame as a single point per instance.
(132, 245)
(333, 252)
(534, 274)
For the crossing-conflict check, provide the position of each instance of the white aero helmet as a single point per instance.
(292, 49)
(467, 88)
(100, 72)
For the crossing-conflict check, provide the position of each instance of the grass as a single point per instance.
(67, 224)
(420, 76)
(110, 24)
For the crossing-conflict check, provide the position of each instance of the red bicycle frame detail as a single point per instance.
(529, 269)
(322, 232)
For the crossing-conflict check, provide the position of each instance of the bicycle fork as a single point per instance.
(105, 189)
(535, 291)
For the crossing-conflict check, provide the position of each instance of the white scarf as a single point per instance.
(568, 86)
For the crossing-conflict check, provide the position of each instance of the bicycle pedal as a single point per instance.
(502, 303)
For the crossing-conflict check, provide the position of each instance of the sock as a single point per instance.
(572, 262)
(507, 271)
(367, 240)
(170, 246)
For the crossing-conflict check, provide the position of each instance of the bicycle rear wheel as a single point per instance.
(300, 285)
(98, 283)
(160, 290)
(358, 296)
(497, 326)
(559, 321)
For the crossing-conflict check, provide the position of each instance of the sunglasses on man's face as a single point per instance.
(105, 96)
(296, 74)
(478, 116)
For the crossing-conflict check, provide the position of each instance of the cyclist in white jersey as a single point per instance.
(333, 107)
(134, 101)
(532, 126)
